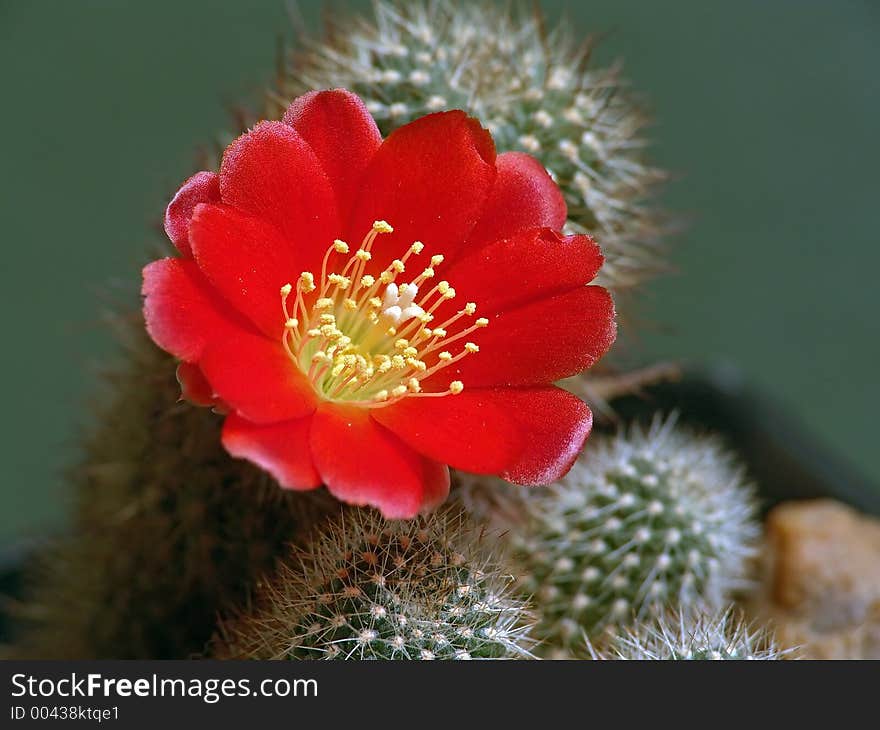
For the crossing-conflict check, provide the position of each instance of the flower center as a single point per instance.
(365, 340)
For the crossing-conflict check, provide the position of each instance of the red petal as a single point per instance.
(183, 314)
(437, 483)
(282, 449)
(524, 196)
(507, 274)
(194, 387)
(342, 134)
(538, 343)
(363, 464)
(203, 187)
(247, 261)
(272, 173)
(557, 424)
(256, 378)
(529, 436)
(430, 180)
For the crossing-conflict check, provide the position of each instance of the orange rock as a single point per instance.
(821, 585)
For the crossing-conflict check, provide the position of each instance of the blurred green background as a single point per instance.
(768, 112)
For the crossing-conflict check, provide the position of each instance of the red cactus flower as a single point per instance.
(368, 355)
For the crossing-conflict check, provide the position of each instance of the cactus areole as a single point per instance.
(367, 311)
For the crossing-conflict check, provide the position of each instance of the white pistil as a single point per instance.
(398, 306)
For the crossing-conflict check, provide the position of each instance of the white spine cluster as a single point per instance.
(652, 518)
(680, 636)
(368, 588)
(532, 88)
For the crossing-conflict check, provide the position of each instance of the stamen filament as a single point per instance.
(367, 348)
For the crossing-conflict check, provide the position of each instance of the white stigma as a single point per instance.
(398, 303)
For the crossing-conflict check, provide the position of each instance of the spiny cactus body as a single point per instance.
(532, 88)
(167, 528)
(644, 520)
(368, 588)
(681, 636)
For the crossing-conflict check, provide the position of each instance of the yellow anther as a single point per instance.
(345, 370)
(307, 281)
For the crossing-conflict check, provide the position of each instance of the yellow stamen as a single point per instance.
(362, 338)
(307, 282)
